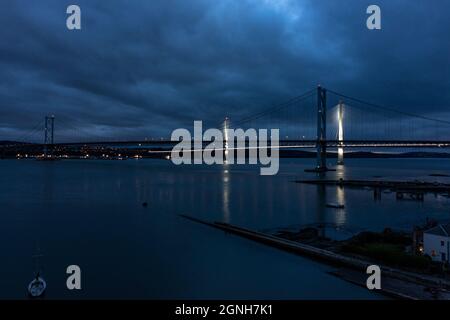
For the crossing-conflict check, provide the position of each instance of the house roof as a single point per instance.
(440, 230)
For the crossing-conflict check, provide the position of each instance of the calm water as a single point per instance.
(89, 213)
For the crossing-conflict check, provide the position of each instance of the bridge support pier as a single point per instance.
(49, 135)
(321, 141)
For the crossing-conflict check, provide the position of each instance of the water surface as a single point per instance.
(90, 213)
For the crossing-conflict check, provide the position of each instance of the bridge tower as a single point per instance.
(340, 137)
(321, 142)
(225, 138)
(48, 133)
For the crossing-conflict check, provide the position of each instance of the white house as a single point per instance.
(436, 242)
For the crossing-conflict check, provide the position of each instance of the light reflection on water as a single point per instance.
(226, 194)
(340, 213)
(91, 213)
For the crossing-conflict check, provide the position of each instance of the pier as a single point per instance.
(400, 187)
(395, 282)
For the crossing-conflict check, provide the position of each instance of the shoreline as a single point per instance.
(398, 283)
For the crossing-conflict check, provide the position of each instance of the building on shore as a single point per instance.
(436, 243)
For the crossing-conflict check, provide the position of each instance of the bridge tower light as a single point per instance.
(225, 137)
(340, 118)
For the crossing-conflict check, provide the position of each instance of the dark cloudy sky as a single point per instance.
(143, 68)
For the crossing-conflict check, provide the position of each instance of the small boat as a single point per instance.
(37, 286)
(335, 205)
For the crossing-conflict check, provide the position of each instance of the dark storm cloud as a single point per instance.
(143, 68)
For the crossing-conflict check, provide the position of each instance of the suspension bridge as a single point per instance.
(320, 119)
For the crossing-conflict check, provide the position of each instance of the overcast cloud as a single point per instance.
(143, 68)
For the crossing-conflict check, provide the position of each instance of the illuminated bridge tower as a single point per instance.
(225, 138)
(340, 133)
(321, 142)
(48, 134)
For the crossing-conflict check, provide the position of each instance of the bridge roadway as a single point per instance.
(282, 144)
